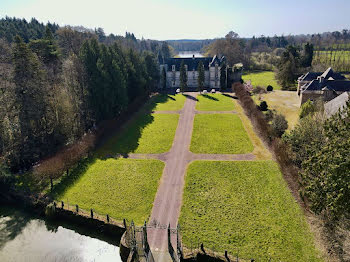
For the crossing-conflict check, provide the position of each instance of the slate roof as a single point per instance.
(333, 85)
(333, 106)
(329, 73)
(192, 63)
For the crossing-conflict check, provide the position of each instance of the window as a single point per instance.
(173, 68)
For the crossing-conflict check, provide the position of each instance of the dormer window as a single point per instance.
(173, 67)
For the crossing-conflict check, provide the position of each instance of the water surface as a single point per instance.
(24, 237)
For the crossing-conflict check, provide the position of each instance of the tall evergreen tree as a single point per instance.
(201, 76)
(163, 78)
(183, 77)
(31, 104)
(223, 77)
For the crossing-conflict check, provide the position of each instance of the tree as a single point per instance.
(183, 77)
(201, 76)
(325, 174)
(279, 125)
(263, 106)
(307, 57)
(288, 68)
(31, 105)
(223, 79)
(163, 78)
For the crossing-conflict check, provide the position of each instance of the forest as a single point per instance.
(60, 83)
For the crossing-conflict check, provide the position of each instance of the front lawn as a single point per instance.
(219, 134)
(262, 79)
(147, 134)
(215, 102)
(122, 188)
(162, 102)
(244, 207)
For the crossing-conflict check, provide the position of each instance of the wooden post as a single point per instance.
(62, 204)
(226, 256)
(107, 218)
(77, 208)
(92, 213)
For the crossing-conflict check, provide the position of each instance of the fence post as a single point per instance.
(62, 204)
(77, 208)
(107, 218)
(92, 213)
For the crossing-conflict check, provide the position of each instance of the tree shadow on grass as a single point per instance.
(190, 97)
(125, 141)
(69, 180)
(158, 99)
(231, 96)
(210, 97)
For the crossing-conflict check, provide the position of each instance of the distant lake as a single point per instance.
(185, 54)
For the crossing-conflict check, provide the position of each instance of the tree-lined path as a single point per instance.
(168, 200)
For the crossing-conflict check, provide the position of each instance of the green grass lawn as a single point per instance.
(244, 207)
(163, 102)
(219, 134)
(262, 79)
(123, 188)
(147, 134)
(215, 102)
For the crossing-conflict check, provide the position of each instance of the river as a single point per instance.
(24, 237)
(186, 54)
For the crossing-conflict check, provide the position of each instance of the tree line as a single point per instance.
(56, 88)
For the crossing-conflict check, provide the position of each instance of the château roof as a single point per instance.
(192, 62)
(329, 73)
(332, 85)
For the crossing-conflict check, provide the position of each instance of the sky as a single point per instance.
(188, 19)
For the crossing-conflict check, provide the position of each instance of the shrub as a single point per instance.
(269, 88)
(279, 125)
(263, 106)
(259, 90)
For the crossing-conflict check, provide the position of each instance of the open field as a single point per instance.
(286, 103)
(122, 188)
(262, 79)
(215, 102)
(163, 102)
(244, 207)
(147, 134)
(339, 60)
(219, 134)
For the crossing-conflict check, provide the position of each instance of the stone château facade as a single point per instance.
(212, 66)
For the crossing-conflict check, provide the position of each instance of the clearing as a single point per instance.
(245, 208)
